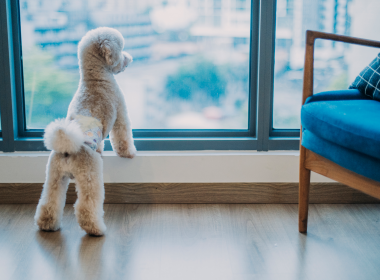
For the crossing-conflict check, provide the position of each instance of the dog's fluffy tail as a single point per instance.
(64, 136)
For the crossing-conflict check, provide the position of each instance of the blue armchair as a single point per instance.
(340, 133)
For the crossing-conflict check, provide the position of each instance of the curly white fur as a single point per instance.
(101, 56)
(64, 136)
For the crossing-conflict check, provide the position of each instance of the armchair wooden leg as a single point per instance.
(303, 195)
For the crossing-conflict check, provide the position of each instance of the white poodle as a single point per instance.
(98, 108)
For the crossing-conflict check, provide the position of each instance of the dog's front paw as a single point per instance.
(131, 152)
(127, 151)
(46, 219)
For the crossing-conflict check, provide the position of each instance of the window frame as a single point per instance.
(259, 136)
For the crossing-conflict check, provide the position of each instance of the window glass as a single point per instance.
(336, 65)
(191, 59)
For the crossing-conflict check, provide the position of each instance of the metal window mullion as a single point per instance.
(266, 67)
(253, 69)
(18, 70)
(7, 79)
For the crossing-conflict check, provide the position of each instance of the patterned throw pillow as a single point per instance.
(368, 81)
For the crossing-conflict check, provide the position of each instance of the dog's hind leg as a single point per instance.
(88, 173)
(50, 207)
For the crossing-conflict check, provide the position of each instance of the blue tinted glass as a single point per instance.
(191, 59)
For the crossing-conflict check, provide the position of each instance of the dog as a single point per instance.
(97, 109)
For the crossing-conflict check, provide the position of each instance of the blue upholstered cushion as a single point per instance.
(357, 162)
(345, 118)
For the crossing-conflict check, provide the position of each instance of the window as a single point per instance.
(207, 74)
(187, 74)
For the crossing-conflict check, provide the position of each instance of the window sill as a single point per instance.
(170, 167)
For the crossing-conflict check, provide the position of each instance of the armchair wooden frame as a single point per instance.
(310, 161)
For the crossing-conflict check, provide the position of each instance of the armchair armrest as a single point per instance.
(311, 36)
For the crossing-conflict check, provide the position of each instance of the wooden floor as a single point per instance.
(196, 241)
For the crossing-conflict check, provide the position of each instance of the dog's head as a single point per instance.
(107, 45)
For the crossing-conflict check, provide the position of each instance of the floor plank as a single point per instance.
(196, 241)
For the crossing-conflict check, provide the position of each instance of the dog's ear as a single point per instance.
(106, 51)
